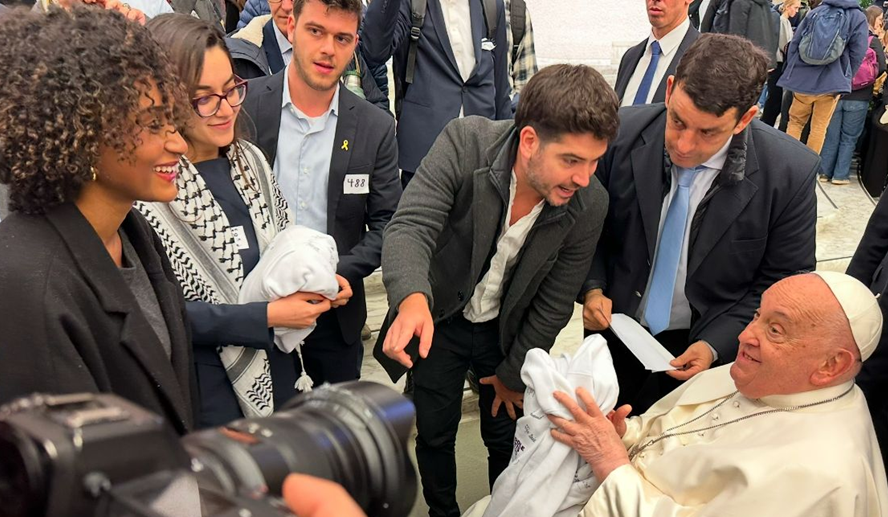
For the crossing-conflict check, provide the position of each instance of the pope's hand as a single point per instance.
(413, 319)
(591, 434)
(697, 357)
(596, 310)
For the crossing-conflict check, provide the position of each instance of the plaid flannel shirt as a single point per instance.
(525, 64)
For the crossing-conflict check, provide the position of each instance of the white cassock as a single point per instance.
(822, 461)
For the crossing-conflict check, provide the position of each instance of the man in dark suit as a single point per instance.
(641, 78)
(335, 158)
(870, 266)
(458, 71)
(708, 207)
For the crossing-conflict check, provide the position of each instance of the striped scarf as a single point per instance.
(203, 252)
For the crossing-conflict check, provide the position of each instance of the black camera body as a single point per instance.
(97, 454)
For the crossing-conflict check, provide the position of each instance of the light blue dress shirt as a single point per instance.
(302, 164)
(283, 44)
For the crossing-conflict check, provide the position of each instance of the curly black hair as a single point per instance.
(72, 83)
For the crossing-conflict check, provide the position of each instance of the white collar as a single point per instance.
(670, 42)
(717, 161)
(806, 397)
(282, 41)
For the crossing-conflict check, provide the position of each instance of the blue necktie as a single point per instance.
(645, 87)
(659, 302)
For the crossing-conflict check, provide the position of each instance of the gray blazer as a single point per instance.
(440, 241)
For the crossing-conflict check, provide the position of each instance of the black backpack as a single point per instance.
(721, 21)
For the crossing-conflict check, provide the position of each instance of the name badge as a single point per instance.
(240, 238)
(487, 45)
(356, 184)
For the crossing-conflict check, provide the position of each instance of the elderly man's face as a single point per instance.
(788, 339)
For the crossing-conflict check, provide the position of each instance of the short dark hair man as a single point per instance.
(708, 207)
(483, 259)
(644, 68)
(335, 158)
(263, 48)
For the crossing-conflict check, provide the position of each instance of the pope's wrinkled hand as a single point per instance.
(590, 433)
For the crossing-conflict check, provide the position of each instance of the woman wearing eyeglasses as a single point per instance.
(228, 210)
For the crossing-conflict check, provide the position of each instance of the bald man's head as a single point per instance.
(800, 340)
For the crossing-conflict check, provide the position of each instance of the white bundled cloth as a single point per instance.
(299, 259)
(546, 478)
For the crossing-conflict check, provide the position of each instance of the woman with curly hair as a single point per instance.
(89, 301)
(227, 212)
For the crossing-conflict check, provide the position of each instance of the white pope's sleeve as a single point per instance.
(790, 491)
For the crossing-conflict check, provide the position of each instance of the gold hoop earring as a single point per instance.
(94, 173)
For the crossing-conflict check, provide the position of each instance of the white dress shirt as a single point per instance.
(458, 20)
(668, 49)
(680, 317)
(485, 302)
(283, 44)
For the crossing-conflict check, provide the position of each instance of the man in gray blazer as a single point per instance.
(484, 256)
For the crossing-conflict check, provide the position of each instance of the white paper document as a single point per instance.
(641, 343)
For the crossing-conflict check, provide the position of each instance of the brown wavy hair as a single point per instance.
(73, 81)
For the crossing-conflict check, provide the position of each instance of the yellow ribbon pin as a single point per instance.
(345, 145)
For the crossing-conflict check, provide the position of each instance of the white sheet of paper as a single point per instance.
(641, 343)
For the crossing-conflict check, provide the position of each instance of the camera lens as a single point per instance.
(22, 485)
(352, 433)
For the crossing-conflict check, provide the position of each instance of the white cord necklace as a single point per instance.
(638, 448)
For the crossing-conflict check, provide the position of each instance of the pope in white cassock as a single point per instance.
(782, 432)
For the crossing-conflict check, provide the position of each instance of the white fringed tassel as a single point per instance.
(304, 382)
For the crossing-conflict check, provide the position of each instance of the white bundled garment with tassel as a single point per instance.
(546, 478)
(299, 259)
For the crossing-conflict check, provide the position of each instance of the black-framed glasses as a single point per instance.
(208, 105)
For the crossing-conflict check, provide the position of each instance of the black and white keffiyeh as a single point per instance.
(204, 254)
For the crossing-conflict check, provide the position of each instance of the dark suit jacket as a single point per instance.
(694, 13)
(870, 266)
(632, 56)
(755, 226)
(355, 221)
(438, 91)
(71, 324)
(440, 241)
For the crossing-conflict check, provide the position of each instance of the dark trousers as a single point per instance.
(438, 391)
(639, 387)
(328, 358)
(775, 97)
(406, 176)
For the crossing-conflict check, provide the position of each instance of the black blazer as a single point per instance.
(632, 56)
(355, 221)
(755, 226)
(71, 324)
(870, 266)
